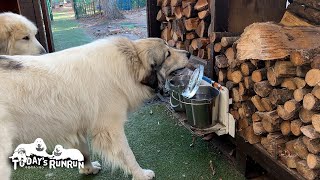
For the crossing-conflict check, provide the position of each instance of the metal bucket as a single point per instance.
(176, 85)
(199, 108)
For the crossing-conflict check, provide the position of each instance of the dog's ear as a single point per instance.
(4, 42)
(152, 79)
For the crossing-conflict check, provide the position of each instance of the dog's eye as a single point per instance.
(169, 54)
(26, 38)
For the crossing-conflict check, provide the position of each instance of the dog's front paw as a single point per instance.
(94, 168)
(146, 174)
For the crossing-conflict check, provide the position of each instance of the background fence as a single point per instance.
(86, 8)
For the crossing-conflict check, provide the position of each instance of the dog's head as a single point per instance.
(18, 36)
(159, 61)
(40, 145)
(57, 150)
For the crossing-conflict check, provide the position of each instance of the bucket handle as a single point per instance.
(174, 106)
(186, 102)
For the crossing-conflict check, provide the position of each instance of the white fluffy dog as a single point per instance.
(18, 36)
(88, 90)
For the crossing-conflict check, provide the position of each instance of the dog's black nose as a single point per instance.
(188, 55)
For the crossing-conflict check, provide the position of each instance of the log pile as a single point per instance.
(184, 25)
(274, 81)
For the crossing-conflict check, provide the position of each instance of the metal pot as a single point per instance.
(176, 85)
(199, 108)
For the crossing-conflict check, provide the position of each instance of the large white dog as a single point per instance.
(18, 36)
(62, 97)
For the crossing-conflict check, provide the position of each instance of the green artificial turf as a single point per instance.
(156, 139)
(158, 143)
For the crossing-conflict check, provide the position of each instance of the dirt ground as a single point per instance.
(134, 26)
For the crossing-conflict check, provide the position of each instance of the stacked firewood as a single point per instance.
(184, 25)
(273, 74)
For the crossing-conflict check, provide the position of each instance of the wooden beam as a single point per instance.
(153, 24)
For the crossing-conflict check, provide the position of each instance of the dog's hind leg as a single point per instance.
(5, 145)
(89, 167)
(112, 143)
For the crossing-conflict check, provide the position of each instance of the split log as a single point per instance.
(258, 128)
(230, 54)
(310, 132)
(160, 16)
(191, 24)
(217, 47)
(202, 28)
(285, 127)
(165, 3)
(250, 136)
(189, 10)
(259, 75)
(280, 96)
(269, 41)
(236, 76)
(274, 143)
(310, 14)
(185, 3)
(222, 75)
(313, 145)
(313, 77)
(305, 115)
(310, 102)
(289, 160)
(176, 2)
(298, 94)
(286, 115)
(300, 149)
(305, 171)
(290, 19)
(191, 35)
(201, 5)
(316, 122)
(167, 11)
(313, 161)
(272, 117)
(316, 91)
(256, 100)
(242, 124)
(285, 69)
(302, 70)
(217, 36)
(269, 127)
(266, 103)
(247, 68)
(289, 146)
(256, 117)
(315, 64)
(272, 77)
(178, 12)
(295, 127)
(289, 83)
(262, 88)
(228, 41)
(291, 105)
(204, 14)
(248, 83)
(299, 58)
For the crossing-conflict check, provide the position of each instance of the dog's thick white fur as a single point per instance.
(18, 36)
(62, 97)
